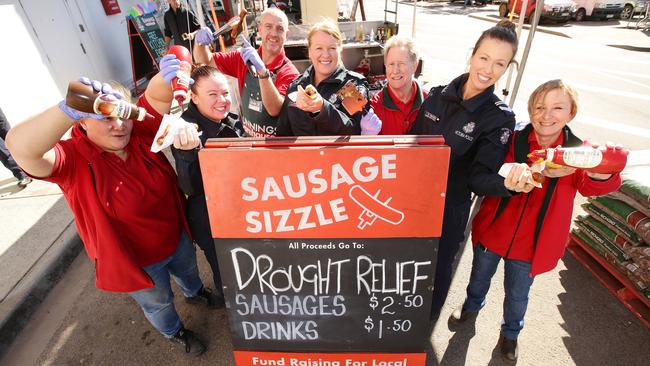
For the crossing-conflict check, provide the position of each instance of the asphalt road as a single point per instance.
(613, 83)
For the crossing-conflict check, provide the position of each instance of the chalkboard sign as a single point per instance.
(147, 46)
(330, 244)
(328, 295)
(150, 32)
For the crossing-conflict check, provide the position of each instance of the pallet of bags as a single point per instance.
(616, 252)
(616, 244)
(624, 213)
(619, 279)
(619, 227)
(612, 241)
(601, 234)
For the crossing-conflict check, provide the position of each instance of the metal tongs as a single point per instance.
(233, 25)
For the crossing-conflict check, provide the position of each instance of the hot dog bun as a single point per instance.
(311, 91)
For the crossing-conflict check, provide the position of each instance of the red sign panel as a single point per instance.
(355, 191)
(111, 7)
(246, 358)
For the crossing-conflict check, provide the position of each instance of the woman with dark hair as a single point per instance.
(209, 108)
(477, 126)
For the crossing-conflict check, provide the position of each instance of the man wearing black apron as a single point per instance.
(264, 74)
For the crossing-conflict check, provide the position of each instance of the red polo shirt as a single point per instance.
(396, 117)
(129, 214)
(231, 63)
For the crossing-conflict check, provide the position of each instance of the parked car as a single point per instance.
(633, 7)
(559, 11)
(598, 9)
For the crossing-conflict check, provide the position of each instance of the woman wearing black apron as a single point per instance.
(209, 108)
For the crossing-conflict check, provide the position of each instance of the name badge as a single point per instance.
(255, 105)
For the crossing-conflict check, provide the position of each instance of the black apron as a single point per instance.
(257, 121)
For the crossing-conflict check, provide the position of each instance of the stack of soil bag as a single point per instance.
(617, 227)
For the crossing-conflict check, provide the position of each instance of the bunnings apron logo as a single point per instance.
(349, 182)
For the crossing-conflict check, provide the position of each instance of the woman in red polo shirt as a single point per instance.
(126, 203)
(399, 102)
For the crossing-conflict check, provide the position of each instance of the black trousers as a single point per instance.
(5, 156)
(453, 235)
(197, 217)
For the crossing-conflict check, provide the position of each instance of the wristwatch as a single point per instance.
(264, 74)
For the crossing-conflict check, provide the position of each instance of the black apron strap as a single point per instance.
(255, 118)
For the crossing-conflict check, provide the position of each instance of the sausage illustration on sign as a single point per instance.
(373, 208)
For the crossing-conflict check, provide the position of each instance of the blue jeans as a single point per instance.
(157, 303)
(516, 282)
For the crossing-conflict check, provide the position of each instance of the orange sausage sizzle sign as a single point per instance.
(327, 246)
(352, 191)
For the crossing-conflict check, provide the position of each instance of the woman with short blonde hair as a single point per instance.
(327, 99)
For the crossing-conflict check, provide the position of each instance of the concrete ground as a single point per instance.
(572, 320)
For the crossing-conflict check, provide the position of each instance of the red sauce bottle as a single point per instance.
(84, 98)
(595, 160)
(181, 83)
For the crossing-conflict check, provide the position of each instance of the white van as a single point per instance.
(598, 9)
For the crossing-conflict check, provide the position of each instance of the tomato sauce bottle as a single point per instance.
(181, 83)
(84, 98)
(592, 159)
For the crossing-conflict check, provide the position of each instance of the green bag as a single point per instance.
(592, 243)
(615, 252)
(635, 219)
(637, 190)
(612, 223)
(606, 232)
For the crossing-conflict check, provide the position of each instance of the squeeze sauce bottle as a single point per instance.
(84, 98)
(181, 83)
(591, 159)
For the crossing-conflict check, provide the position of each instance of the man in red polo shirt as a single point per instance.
(126, 204)
(399, 102)
(262, 95)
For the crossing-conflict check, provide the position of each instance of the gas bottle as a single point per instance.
(84, 98)
(596, 160)
(181, 83)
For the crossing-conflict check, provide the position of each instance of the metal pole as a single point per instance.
(524, 57)
(520, 25)
(415, 6)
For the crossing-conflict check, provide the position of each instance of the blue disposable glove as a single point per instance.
(102, 88)
(370, 123)
(169, 66)
(98, 87)
(250, 56)
(204, 36)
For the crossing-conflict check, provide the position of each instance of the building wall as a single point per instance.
(45, 41)
(27, 83)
